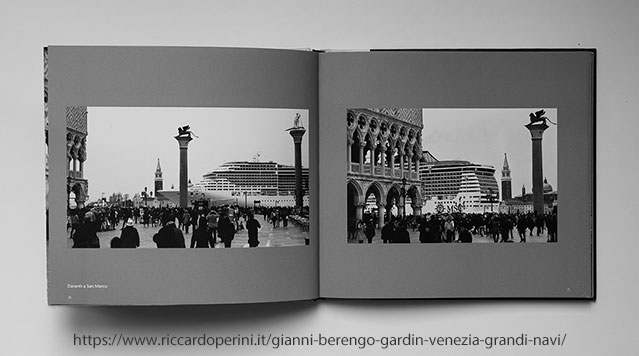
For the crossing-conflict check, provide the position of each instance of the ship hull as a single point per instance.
(220, 198)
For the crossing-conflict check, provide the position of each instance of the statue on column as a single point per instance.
(185, 131)
(538, 116)
(297, 121)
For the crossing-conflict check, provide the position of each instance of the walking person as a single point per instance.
(424, 229)
(369, 230)
(401, 235)
(129, 237)
(388, 231)
(449, 229)
(226, 229)
(506, 229)
(82, 237)
(274, 218)
(521, 228)
(212, 218)
(465, 236)
(169, 235)
(252, 226)
(201, 237)
(186, 221)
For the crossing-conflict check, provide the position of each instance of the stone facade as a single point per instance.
(76, 121)
(384, 147)
(76, 118)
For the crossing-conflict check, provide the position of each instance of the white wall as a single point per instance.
(608, 326)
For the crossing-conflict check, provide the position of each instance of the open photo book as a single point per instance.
(184, 175)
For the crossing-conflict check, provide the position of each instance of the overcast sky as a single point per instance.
(482, 136)
(124, 144)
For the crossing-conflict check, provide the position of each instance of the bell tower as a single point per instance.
(158, 179)
(506, 181)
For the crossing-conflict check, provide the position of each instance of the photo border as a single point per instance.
(465, 78)
(177, 77)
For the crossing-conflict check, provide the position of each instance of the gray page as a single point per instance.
(177, 77)
(557, 80)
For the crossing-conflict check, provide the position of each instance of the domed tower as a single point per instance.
(547, 186)
(506, 181)
(158, 178)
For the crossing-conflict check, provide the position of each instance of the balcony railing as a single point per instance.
(383, 171)
(75, 174)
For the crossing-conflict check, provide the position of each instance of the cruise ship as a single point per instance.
(247, 184)
(457, 186)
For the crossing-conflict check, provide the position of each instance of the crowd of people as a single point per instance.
(208, 225)
(456, 227)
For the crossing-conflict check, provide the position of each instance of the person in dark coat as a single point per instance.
(129, 238)
(505, 229)
(464, 235)
(424, 229)
(521, 228)
(116, 242)
(201, 237)
(401, 234)
(252, 226)
(388, 231)
(551, 224)
(86, 235)
(369, 230)
(81, 237)
(169, 235)
(226, 230)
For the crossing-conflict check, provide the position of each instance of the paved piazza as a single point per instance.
(268, 236)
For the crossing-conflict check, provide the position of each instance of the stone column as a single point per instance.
(536, 135)
(381, 213)
(372, 154)
(359, 211)
(297, 133)
(382, 159)
(349, 147)
(417, 210)
(400, 207)
(361, 157)
(392, 162)
(183, 141)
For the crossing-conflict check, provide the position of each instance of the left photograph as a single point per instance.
(154, 177)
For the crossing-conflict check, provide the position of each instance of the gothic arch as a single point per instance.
(350, 120)
(355, 188)
(362, 122)
(377, 190)
(393, 195)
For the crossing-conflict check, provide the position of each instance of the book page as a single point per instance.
(181, 175)
(457, 174)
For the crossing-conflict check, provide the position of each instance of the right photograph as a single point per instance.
(418, 175)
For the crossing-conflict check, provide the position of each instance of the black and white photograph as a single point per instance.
(482, 201)
(155, 177)
(452, 175)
